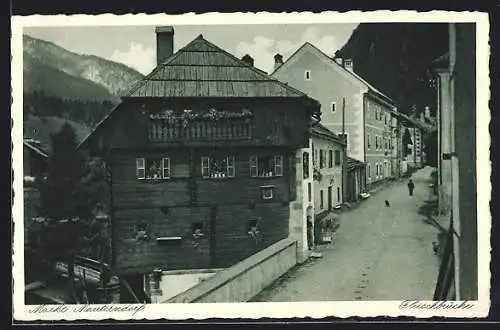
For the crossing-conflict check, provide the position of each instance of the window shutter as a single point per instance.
(230, 167)
(140, 165)
(166, 168)
(205, 166)
(253, 166)
(278, 165)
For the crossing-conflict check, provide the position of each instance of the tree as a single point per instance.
(67, 205)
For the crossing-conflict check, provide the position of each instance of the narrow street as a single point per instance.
(378, 253)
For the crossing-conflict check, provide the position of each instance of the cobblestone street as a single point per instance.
(379, 253)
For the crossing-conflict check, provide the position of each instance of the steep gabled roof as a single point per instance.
(319, 130)
(353, 163)
(308, 46)
(201, 69)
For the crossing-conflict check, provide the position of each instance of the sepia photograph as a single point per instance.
(331, 159)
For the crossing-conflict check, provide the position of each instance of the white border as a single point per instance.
(258, 310)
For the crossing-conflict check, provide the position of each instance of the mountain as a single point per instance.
(396, 58)
(38, 77)
(61, 86)
(49, 67)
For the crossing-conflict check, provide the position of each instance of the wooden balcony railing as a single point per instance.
(201, 131)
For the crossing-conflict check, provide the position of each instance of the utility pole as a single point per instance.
(344, 156)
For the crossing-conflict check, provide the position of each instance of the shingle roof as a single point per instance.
(201, 69)
(352, 163)
(319, 129)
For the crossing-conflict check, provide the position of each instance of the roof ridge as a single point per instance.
(260, 73)
(145, 79)
(267, 76)
(352, 73)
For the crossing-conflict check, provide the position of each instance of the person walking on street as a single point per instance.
(411, 186)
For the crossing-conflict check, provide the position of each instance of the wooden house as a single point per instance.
(34, 158)
(201, 156)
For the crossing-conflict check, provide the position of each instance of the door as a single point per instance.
(330, 198)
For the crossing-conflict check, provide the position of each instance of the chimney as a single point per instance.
(278, 61)
(164, 43)
(348, 64)
(338, 60)
(247, 59)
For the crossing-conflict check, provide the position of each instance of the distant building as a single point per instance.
(34, 158)
(205, 158)
(349, 105)
(328, 164)
(355, 172)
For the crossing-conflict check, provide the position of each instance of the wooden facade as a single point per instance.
(201, 179)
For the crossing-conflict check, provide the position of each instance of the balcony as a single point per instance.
(201, 128)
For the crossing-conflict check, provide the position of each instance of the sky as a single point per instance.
(135, 46)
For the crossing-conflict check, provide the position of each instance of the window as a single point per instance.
(309, 192)
(385, 118)
(338, 158)
(253, 226)
(369, 170)
(376, 142)
(338, 194)
(333, 106)
(321, 199)
(305, 165)
(141, 231)
(307, 74)
(322, 160)
(217, 168)
(330, 158)
(267, 192)
(314, 155)
(197, 228)
(330, 198)
(266, 166)
(156, 279)
(368, 139)
(152, 168)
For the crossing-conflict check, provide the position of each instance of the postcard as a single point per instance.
(251, 165)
